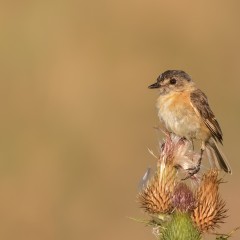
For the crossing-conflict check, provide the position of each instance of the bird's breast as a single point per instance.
(177, 114)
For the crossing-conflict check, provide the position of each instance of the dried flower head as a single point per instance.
(210, 210)
(177, 211)
(179, 151)
(183, 198)
(158, 195)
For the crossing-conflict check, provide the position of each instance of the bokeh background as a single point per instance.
(77, 117)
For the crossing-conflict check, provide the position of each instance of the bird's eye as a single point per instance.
(173, 81)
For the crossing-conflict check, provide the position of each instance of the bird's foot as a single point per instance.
(194, 170)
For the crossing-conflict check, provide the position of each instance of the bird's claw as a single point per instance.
(194, 170)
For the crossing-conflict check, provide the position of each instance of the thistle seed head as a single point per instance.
(210, 210)
(183, 198)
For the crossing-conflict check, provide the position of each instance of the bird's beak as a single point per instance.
(155, 85)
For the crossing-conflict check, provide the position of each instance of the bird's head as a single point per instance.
(172, 80)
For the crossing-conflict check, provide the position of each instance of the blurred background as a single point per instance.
(77, 116)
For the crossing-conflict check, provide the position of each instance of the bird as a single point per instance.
(184, 111)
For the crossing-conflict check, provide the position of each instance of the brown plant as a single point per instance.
(210, 210)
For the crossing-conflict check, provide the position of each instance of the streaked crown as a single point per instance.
(174, 74)
(172, 80)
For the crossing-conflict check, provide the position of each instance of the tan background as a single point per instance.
(77, 117)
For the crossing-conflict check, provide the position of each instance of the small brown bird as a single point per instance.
(184, 110)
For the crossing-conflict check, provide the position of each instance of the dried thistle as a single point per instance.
(179, 151)
(157, 196)
(183, 198)
(210, 210)
(177, 211)
(163, 192)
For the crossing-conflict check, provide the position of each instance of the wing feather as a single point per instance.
(200, 104)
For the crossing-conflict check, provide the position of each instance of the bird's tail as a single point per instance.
(216, 155)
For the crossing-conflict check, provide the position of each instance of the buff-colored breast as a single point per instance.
(179, 117)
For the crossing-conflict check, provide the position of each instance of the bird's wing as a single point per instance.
(200, 105)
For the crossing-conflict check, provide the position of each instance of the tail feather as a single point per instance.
(218, 154)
